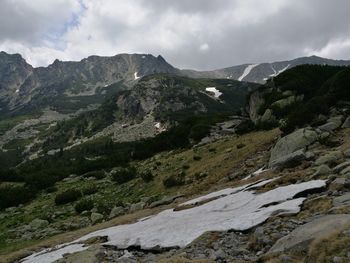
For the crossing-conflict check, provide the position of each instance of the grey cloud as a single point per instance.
(293, 29)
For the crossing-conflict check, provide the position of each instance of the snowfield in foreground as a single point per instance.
(234, 208)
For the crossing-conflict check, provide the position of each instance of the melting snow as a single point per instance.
(135, 76)
(246, 71)
(17, 90)
(276, 73)
(235, 208)
(216, 92)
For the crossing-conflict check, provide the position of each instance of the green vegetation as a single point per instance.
(321, 87)
(85, 204)
(13, 195)
(122, 175)
(67, 196)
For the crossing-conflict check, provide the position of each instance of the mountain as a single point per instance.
(199, 189)
(260, 73)
(70, 86)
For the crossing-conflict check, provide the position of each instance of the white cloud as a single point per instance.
(204, 47)
(202, 34)
(335, 49)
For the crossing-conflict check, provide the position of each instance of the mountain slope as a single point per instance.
(70, 86)
(259, 73)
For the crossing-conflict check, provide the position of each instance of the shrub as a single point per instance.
(123, 175)
(197, 157)
(174, 180)
(95, 174)
(147, 176)
(41, 180)
(185, 167)
(199, 131)
(51, 189)
(85, 204)
(89, 190)
(11, 195)
(67, 196)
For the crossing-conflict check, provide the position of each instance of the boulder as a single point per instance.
(341, 200)
(332, 124)
(96, 218)
(329, 158)
(341, 167)
(346, 123)
(283, 103)
(136, 207)
(322, 170)
(116, 211)
(340, 184)
(291, 143)
(290, 160)
(300, 238)
(347, 153)
(268, 117)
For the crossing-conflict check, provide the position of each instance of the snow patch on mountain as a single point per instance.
(135, 76)
(214, 90)
(246, 71)
(276, 73)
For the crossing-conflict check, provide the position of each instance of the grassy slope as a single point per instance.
(217, 164)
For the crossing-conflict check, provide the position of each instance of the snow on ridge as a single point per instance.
(246, 71)
(135, 76)
(240, 209)
(214, 90)
(276, 73)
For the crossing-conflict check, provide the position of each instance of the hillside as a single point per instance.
(261, 72)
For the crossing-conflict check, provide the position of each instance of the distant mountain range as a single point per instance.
(70, 86)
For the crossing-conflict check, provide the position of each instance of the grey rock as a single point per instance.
(96, 218)
(322, 170)
(341, 167)
(340, 183)
(136, 207)
(268, 117)
(337, 259)
(346, 123)
(332, 124)
(347, 153)
(300, 238)
(291, 143)
(329, 158)
(289, 160)
(284, 258)
(38, 224)
(342, 200)
(116, 211)
(166, 200)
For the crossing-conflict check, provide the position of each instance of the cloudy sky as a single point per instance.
(199, 34)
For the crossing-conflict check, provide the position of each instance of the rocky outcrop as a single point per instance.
(300, 238)
(290, 148)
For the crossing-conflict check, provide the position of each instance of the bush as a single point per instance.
(89, 190)
(199, 131)
(95, 174)
(51, 189)
(14, 195)
(123, 175)
(174, 180)
(68, 196)
(85, 204)
(197, 157)
(147, 176)
(41, 180)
